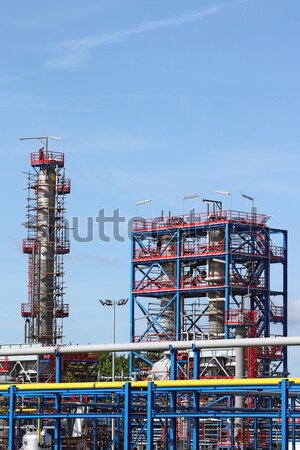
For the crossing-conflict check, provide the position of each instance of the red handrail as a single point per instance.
(26, 310)
(192, 220)
(43, 157)
(150, 285)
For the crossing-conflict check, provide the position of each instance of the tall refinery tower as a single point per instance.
(46, 244)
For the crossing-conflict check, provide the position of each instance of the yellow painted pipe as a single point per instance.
(143, 384)
(3, 411)
(84, 385)
(39, 422)
(220, 382)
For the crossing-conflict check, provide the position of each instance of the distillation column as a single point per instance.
(46, 246)
(46, 183)
(167, 320)
(215, 277)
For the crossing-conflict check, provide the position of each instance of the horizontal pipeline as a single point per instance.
(152, 346)
(160, 384)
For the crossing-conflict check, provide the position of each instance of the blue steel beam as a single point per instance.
(150, 413)
(131, 304)
(127, 416)
(57, 429)
(284, 415)
(282, 391)
(227, 273)
(11, 417)
(285, 299)
(178, 286)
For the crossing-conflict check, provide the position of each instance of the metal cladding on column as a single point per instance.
(46, 244)
(46, 239)
(168, 272)
(216, 277)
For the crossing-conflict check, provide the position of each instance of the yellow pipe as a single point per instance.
(144, 384)
(4, 387)
(3, 411)
(86, 385)
(220, 382)
(39, 422)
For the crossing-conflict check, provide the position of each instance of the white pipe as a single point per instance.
(152, 346)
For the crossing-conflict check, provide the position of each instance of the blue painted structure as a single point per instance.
(145, 412)
(170, 284)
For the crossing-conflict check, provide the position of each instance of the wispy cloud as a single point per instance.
(74, 53)
(6, 77)
(93, 259)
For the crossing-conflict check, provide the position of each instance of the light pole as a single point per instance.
(187, 197)
(226, 193)
(141, 202)
(248, 198)
(113, 304)
(252, 209)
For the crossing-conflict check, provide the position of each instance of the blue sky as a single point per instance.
(154, 100)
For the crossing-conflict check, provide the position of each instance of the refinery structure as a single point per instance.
(211, 276)
(46, 244)
(207, 339)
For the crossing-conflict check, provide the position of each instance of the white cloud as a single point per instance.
(76, 52)
(6, 77)
(93, 259)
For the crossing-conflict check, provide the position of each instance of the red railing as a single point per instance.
(270, 352)
(240, 317)
(276, 252)
(195, 249)
(197, 281)
(224, 439)
(154, 285)
(192, 249)
(244, 439)
(247, 249)
(29, 244)
(154, 337)
(276, 312)
(26, 310)
(194, 282)
(62, 310)
(251, 283)
(4, 365)
(143, 254)
(63, 248)
(200, 281)
(191, 220)
(64, 186)
(43, 157)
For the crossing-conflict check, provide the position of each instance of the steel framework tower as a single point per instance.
(46, 244)
(213, 275)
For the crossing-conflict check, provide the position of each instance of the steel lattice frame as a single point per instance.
(162, 415)
(175, 271)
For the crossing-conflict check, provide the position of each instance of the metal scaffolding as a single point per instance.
(157, 415)
(46, 244)
(195, 414)
(208, 297)
(213, 275)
